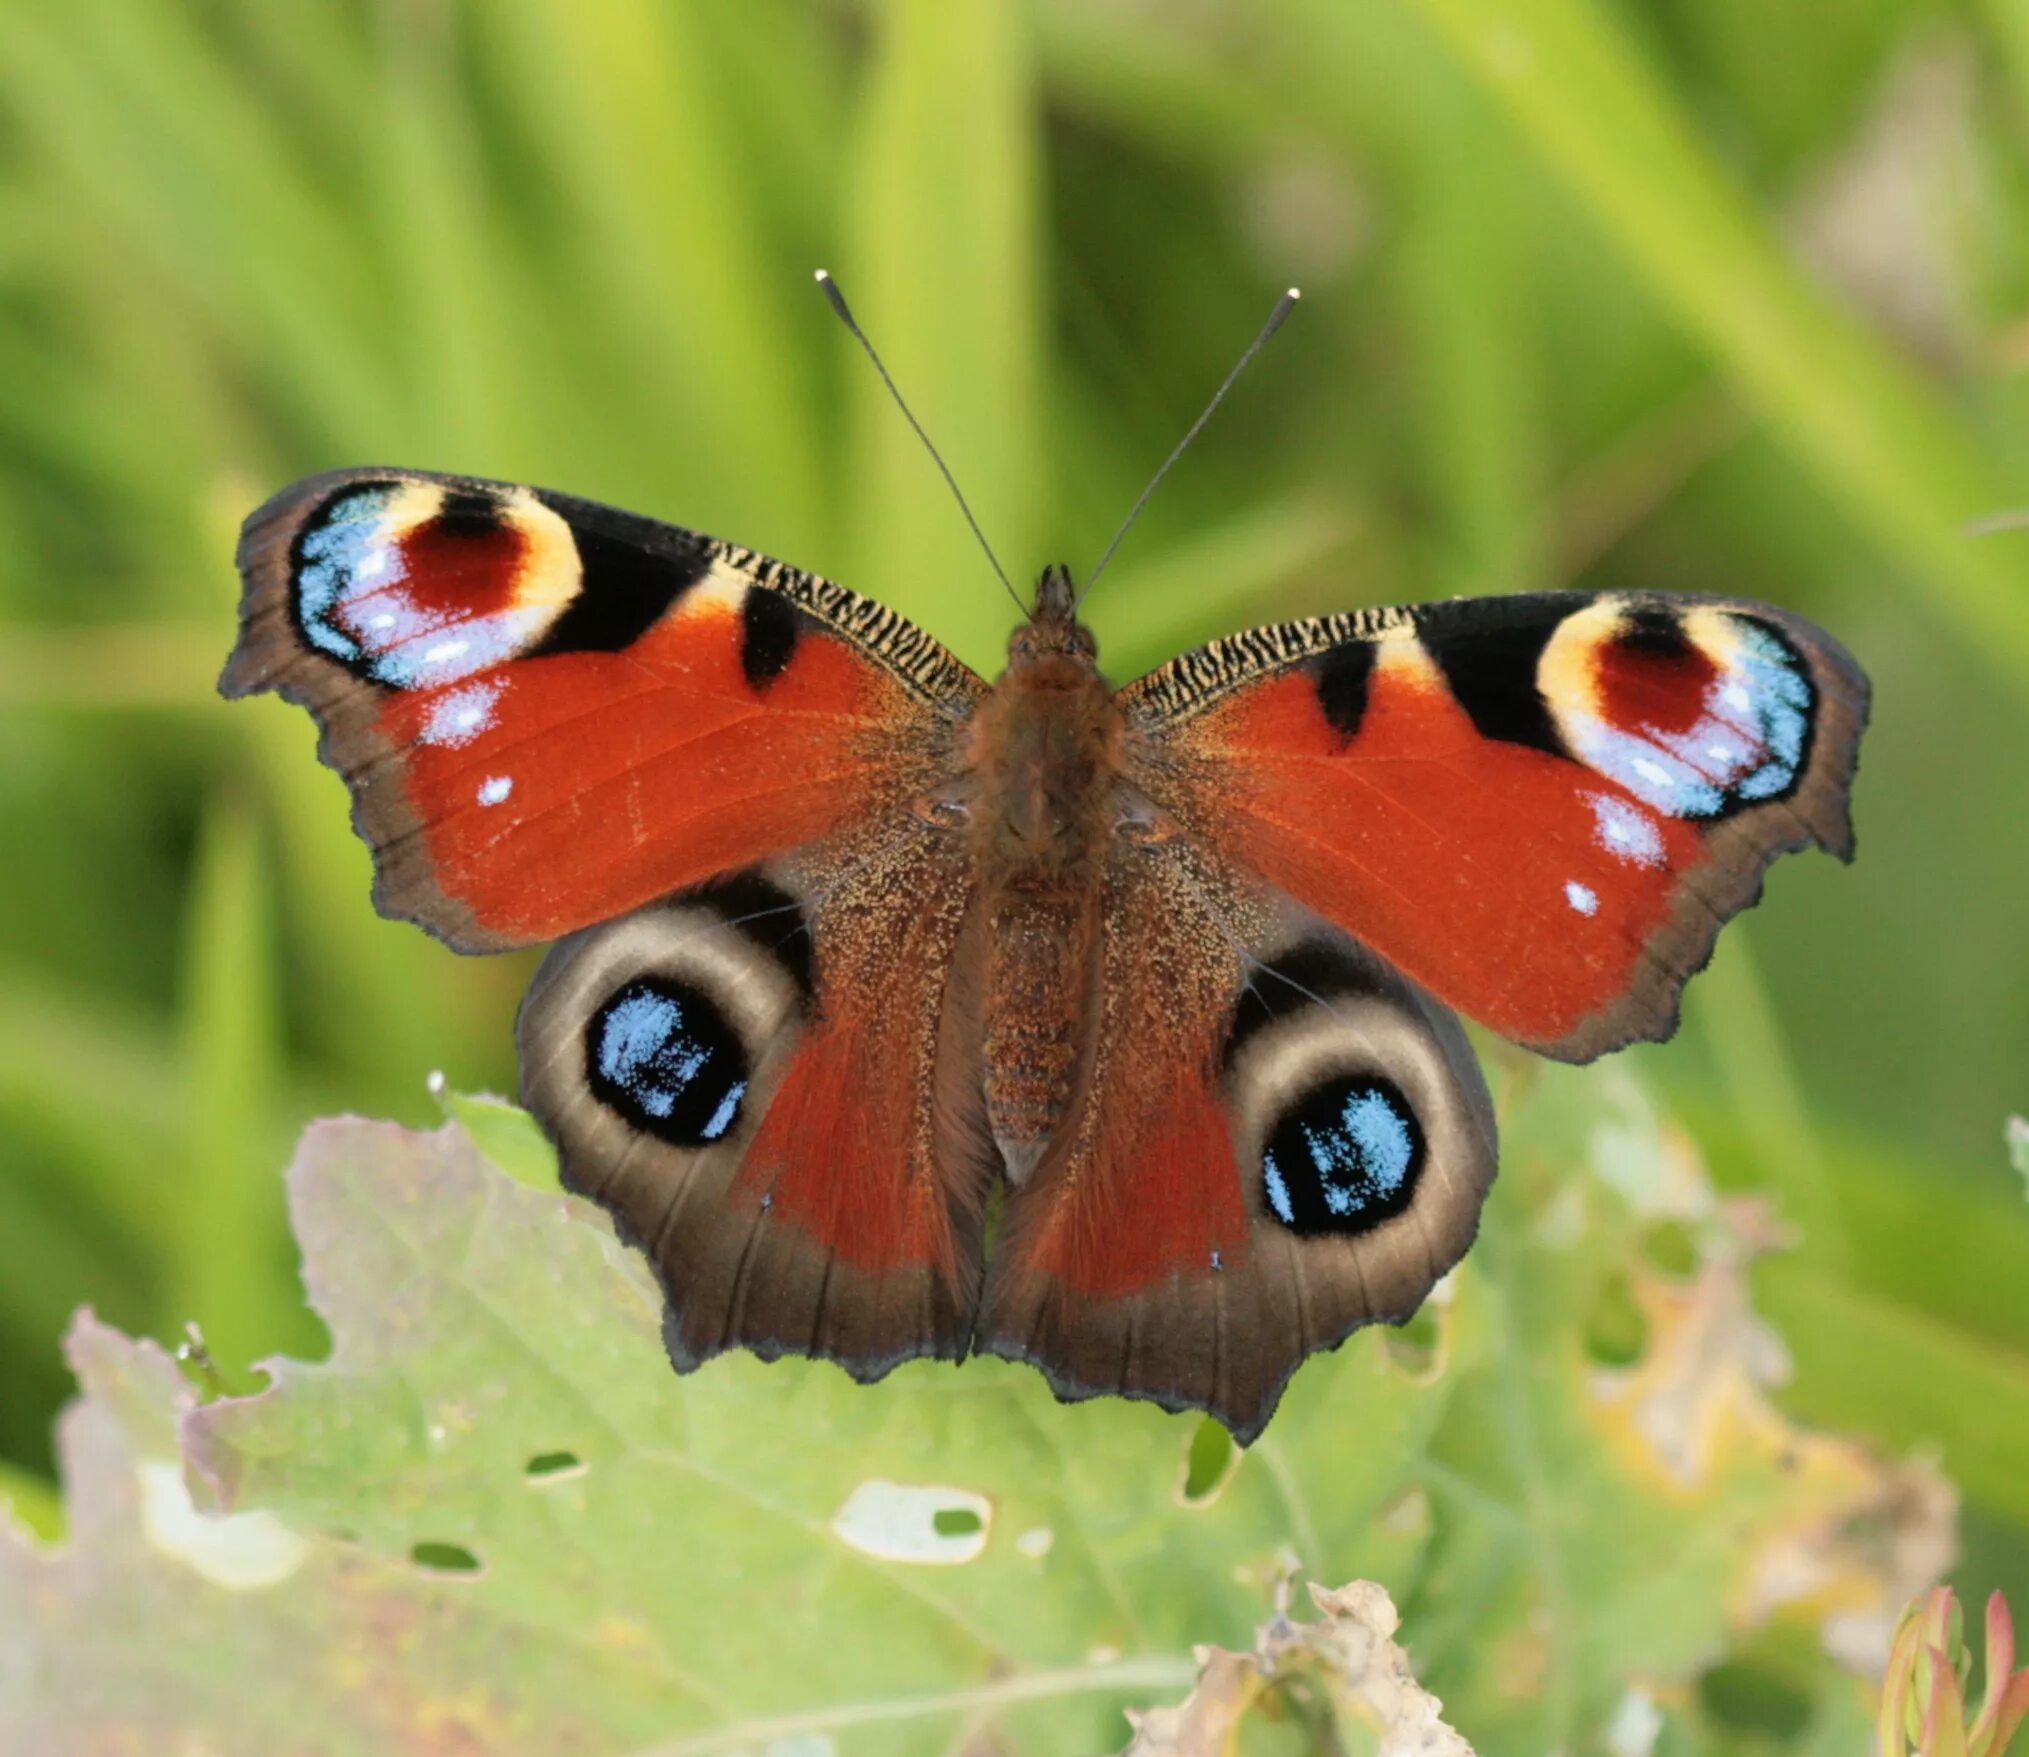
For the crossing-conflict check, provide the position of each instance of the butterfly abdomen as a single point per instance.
(1039, 957)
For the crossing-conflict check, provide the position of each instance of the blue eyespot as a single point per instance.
(1780, 698)
(329, 555)
(355, 602)
(1343, 1158)
(663, 1055)
(1748, 742)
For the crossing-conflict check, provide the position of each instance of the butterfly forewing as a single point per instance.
(550, 713)
(1541, 808)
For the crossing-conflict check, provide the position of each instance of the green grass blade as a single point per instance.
(224, 1221)
(1868, 1362)
(658, 257)
(1898, 462)
(1464, 299)
(456, 284)
(1731, 1003)
(88, 1082)
(942, 262)
(191, 182)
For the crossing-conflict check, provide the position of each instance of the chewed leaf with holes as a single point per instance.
(1619, 1502)
(492, 1522)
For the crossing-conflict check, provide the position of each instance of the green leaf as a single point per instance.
(504, 1132)
(1600, 1520)
(483, 1331)
(584, 1552)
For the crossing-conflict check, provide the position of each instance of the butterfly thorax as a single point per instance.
(1045, 750)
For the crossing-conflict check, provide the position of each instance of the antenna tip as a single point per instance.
(829, 288)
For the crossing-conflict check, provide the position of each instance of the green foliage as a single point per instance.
(585, 1553)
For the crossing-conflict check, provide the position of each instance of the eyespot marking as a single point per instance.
(1312, 970)
(1343, 1158)
(662, 1054)
(467, 513)
(630, 572)
(767, 917)
(1697, 712)
(335, 551)
(416, 584)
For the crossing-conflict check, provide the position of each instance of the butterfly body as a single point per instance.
(855, 949)
(1047, 792)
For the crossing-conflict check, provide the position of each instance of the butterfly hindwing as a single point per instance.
(746, 1077)
(1542, 808)
(1273, 1141)
(550, 713)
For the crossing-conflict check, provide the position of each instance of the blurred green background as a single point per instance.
(1720, 295)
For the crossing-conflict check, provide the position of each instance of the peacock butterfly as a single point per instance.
(856, 950)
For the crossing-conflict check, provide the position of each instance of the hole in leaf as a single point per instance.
(1208, 1461)
(1413, 1344)
(1672, 1247)
(914, 1522)
(444, 1558)
(545, 1464)
(1749, 1698)
(1616, 1331)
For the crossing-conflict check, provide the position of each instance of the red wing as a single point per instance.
(1273, 1140)
(550, 712)
(747, 1078)
(1541, 808)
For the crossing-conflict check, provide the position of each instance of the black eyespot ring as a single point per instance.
(1344, 1157)
(663, 1055)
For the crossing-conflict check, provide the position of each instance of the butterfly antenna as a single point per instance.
(829, 288)
(1283, 307)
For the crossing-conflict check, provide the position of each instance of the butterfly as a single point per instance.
(895, 1013)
